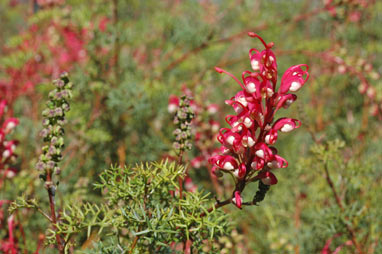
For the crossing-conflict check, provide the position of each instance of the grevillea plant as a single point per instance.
(247, 152)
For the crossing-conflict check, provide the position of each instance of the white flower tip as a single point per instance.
(243, 101)
(251, 142)
(261, 117)
(10, 174)
(269, 92)
(251, 88)
(287, 128)
(238, 110)
(172, 108)
(230, 140)
(267, 137)
(10, 126)
(228, 166)
(255, 65)
(295, 86)
(260, 153)
(6, 154)
(215, 127)
(247, 122)
(225, 151)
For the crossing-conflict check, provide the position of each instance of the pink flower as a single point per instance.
(212, 109)
(237, 199)
(9, 246)
(247, 150)
(173, 103)
(293, 79)
(103, 24)
(7, 147)
(10, 124)
(189, 185)
(286, 124)
(197, 162)
(267, 178)
(326, 249)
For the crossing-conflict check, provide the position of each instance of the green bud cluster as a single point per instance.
(53, 131)
(182, 120)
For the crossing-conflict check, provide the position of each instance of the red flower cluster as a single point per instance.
(351, 10)
(47, 50)
(7, 148)
(247, 152)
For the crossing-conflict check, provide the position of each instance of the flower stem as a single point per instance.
(180, 178)
(51, 192)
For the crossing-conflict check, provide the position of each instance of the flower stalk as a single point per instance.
(53, 135)
(182, 133)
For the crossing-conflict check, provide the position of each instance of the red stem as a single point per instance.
(180, 179)
(49, 187)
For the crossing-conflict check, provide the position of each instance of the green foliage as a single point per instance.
(142, 206)
(328, 220)
(77, 218)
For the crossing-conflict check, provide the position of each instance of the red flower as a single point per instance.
(173, 103)
(237, 200)
(7, 147)
(247, 152)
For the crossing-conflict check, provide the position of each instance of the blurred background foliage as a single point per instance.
(125, 59)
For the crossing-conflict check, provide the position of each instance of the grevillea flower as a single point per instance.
(8, 246)
(173, 104)
(7, 147)
(247, 150)
(326, 249)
